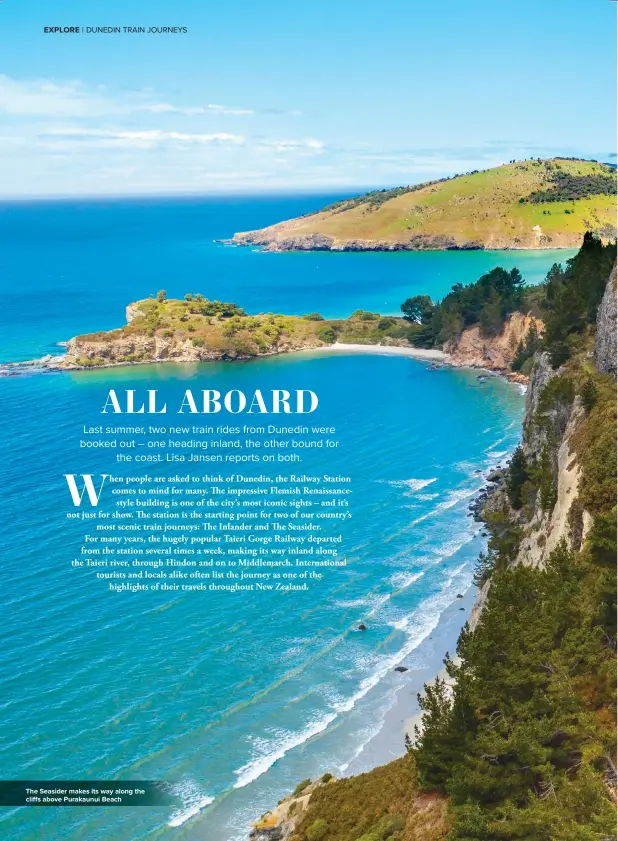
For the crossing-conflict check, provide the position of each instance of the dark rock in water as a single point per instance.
(462, 608)
(495, 476)
(401, 668)
(483, 534)
(362, 627)
(459, 596)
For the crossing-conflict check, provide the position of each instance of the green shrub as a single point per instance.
(317, 830)
(588, 394)
(363, 315)
(326, 334)
(313, 316)
(301, 787)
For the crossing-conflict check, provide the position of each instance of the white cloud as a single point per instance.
(47, 98)
(144, 139)
(72, 98)
(224, 109)
(307, 144)
(166, 108)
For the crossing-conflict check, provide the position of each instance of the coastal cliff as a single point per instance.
(495, 353)
(519, 741)
(605, 343)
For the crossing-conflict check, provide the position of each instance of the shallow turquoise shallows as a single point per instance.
(234, 696)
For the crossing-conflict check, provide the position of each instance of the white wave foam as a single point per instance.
(401, 580)
(413, 484)
(448, 549)
(378, 602)
(193, 801)
(453, 497)
(427, 497)
(256, 767)
(495, 444)
(362, 602)
(400, 624)
(496, 455)
(421, 623)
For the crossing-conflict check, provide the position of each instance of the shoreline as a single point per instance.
(53, 364)
(385, 248)
(424, 664)
(384, 350)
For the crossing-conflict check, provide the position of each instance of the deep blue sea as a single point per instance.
(236, 697)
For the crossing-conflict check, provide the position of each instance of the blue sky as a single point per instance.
(271, 95)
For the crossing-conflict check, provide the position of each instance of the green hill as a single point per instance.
(523, 204)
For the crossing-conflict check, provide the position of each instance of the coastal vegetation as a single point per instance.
(524, 746)
(519, 744)
(523, 204)
(567, 302)
(197, 327)
(486, 302)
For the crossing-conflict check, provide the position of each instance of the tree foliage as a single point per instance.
(517, 477)
(566, 186)
(487, 302)
(572, 297)
(516, 743)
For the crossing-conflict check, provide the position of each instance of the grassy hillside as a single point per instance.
(383, 804)
(524, 204)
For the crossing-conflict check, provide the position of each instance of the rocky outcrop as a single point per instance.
(496, 353)
(280, 823)
(275, 239)
(549, 428)
(546, 529)
(117, 347)
(534, 436)
(605, 344)
(133, 348)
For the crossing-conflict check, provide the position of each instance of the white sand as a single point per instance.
(425, 664)
(384, 350)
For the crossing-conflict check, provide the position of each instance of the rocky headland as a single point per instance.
(532, 204)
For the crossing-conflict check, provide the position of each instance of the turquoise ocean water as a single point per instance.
(236, 697)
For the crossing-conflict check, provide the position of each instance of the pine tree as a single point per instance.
(516, 478)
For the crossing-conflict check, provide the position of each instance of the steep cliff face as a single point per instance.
(605, 344)
(548, 527)
(554, 415)
(496, 353)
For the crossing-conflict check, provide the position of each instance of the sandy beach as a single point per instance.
(424, 664)
(385, 350)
